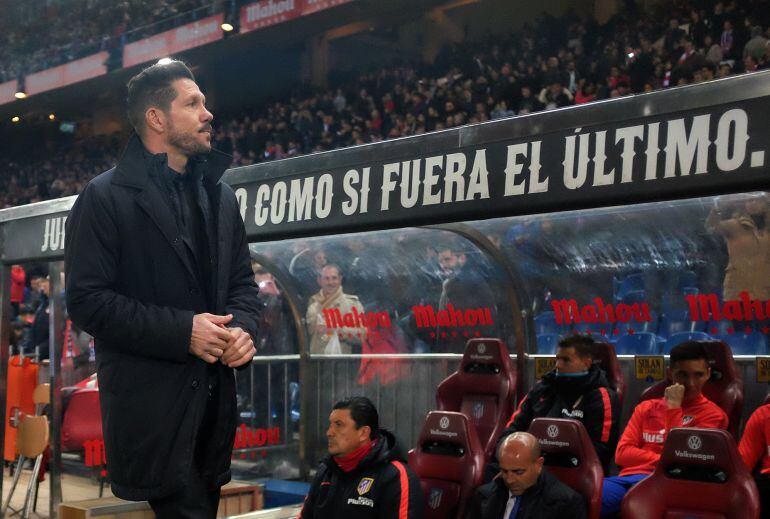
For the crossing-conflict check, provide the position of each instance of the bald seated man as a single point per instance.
(523, 489)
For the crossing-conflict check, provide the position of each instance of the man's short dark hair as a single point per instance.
(584, 345)
(153, 87)
(362, 411)
(690, 350)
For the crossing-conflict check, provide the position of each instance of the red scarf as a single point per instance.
(350, 461)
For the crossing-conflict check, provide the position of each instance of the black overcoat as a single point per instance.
(131, 285)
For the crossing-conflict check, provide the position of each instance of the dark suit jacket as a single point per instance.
(131, 285)
(549, 498)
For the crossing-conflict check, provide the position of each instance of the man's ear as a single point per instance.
(155, 119)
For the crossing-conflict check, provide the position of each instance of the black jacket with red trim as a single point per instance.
(381, 487)
(588, 399)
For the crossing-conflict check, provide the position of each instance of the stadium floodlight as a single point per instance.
(227, 27)
(15, 119)
(164, 61)
(20, 95)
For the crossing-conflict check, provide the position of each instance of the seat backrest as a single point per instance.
(32, 438)
(724, 388)
(42, 394)
(752, 343)
(700, 474)
(546, 343)
(679, 338)
(570, 456)
(676, 320)
(82, 420)
(545, 323)
(449, 461)
(608, 361)
(484, 388)
(640, 343)
(630, 283)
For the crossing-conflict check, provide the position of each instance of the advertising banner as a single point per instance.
(313, 6)
(269, 12)
(265, 13)
(7, 91)
(67, 74)
(176, 40)
(447, 177)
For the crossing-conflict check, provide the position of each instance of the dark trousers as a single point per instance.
(196, 500)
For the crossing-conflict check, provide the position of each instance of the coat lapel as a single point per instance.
(151, 201)
(133, 170)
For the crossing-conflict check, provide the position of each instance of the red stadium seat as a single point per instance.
(724, 388)
(82, 420)
(449, 462)
(484, 388)
(700, 474)
(608, 361)
(570, 456)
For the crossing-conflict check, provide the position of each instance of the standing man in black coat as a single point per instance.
(524, 489)
(157, 270)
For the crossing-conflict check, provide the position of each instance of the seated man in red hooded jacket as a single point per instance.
(683, 405)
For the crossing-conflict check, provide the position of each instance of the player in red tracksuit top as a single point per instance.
(683, 405)
(754, 447)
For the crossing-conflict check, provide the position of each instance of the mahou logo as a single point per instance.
(354, 319)
(567, 311)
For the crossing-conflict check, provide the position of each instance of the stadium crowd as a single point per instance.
(38, 35)
(552, 63)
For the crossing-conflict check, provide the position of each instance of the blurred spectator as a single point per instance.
(18, 280)
(328, 335)
(744, 228)
(39, 332)
(756, 45)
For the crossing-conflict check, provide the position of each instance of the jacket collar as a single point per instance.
(137, 164)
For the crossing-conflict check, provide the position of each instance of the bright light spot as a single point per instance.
(51, 117)
(16, 119)
(164, 61)
(226, 27)
(20, 95)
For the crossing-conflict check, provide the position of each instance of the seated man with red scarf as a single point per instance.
(365, 475)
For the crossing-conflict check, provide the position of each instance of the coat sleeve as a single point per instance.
(521, 418)
(402, 498)
(242, 294)
(752, 446)
(474, 510)
(630, 452)
(574, 508)
(600, 419)
(91, 262)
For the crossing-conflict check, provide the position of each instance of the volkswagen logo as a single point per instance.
(444, 422)
(482, 348)
(694, 442)
(552, 431)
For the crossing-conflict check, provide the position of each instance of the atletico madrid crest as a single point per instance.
(364, 486)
